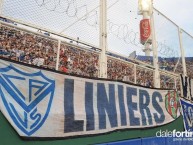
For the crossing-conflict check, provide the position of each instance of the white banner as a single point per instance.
(40, 103)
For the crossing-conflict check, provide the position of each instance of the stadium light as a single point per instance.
(144, 6)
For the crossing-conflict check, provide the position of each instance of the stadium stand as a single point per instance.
(26, 47)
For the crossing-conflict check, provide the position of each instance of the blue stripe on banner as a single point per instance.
(125, 142)
(131, 142)
(106, 105)
(153, 141)
(70, 124)
(89, 106)
(122, 106)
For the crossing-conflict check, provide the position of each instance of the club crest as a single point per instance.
(22, 94)
(172, 103)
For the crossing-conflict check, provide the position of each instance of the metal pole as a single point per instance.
(135, 73)
(155, 52)
(175, 82)
(103, 38)
(58, 55)
(182, 52)
(147, 48)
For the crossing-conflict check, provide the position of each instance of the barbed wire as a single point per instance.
(166, 51)
(129, 36)
(122, 31)
(72, 9)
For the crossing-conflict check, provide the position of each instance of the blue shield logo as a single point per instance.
(26, 97)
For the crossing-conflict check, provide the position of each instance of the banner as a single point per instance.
(187, 111)
(187, 106)
(42, 103)
(187, 88)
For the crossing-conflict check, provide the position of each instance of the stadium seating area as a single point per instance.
(42, 51)
(28, 48)
(144, 77)
(78, 61)
(120, 70)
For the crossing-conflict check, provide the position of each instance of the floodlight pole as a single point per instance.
(103, 39)
(147, 49)
(154, 47)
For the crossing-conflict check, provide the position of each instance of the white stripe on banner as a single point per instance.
(41, 103)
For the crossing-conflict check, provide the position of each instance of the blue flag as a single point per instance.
(187, 109)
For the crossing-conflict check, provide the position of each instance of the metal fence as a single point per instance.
(23, 45)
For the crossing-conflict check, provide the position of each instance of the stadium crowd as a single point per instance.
(120, 70)
(144, 77)
(41, 51)
(78, 61)
(28, 48)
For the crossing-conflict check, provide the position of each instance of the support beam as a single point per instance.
(103, 38)
(135, 73)
(182, 52)
(155, 52)
(58, 55)
(147, 46)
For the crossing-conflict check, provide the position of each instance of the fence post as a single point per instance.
(175, 82)
(135, 73)
(103, 38)
(58, 55)
(155, 52)
(182, 52)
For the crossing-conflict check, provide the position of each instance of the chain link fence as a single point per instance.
(168, 43)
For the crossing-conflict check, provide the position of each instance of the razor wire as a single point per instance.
(71, 8)
(129, 36)
(123, 32)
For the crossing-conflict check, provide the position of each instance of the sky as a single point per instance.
(179, 11)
